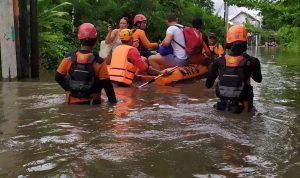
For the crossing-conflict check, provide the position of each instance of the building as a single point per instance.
(242, 17)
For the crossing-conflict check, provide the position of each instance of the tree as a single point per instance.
(58, 30)
(206, 4)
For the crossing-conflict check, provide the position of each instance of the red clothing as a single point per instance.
(135, 57)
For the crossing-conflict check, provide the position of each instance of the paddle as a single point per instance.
(157, 77)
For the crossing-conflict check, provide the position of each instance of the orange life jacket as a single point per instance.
(217, 50)
(73, 100)
(122, 70)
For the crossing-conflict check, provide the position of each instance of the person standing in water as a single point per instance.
(235, 71)
(83, 74)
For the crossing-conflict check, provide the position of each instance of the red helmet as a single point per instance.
(139, 18)
(87, 30)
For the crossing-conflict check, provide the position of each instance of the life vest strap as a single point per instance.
(121, 76)
(117, 68)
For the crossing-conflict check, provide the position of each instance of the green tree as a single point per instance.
(207, 4)
(53, 23)
(280, 16)
(58, 32)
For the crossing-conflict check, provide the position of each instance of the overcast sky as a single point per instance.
(233, 10)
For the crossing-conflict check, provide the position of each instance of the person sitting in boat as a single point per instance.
(140, 24)
(234, 72)
(83, 74)
(175, 37)
(126, 59)
(204, 56)
(216, 48)
(112, 36)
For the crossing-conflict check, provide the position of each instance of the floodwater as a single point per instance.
(156, 131)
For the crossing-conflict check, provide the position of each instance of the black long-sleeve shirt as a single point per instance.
(252, 70)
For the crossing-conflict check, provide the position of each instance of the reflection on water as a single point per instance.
(156, 131)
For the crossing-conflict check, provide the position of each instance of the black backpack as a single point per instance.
(81, 77)
(231, 78)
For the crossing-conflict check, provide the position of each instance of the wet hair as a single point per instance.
(197, 22)
(237, 47)
(125, 18)
(88, 42)
(171, 17)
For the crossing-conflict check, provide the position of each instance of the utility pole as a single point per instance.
(34, 39)
(7, 40)
(225, 19)
(23, 64)
(226, 15)
(17, 34)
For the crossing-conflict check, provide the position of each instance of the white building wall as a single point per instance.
(241, 19)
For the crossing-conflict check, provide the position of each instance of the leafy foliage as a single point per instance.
(282, 16)
(54, 25)
(289, 37)
(207, 4)
(59, 19)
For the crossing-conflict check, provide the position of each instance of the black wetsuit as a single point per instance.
(251, 70)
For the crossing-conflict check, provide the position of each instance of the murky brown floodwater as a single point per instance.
(157, 131)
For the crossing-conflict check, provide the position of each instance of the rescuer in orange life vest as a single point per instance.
(126, 59)
(234, 72)
(139, 27)
(83, 74)
(216, 48)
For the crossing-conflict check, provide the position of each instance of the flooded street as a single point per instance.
(156, 131)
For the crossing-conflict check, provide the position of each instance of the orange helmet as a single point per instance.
(125, 34)
(87, 30)
(139, 18)
(236, 33)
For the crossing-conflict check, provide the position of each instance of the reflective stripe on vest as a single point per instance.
(231, 75)
(121, 70)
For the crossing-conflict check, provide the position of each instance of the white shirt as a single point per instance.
(178, 36)
(117, 40)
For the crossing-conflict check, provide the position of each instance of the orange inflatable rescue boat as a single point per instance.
(183, 73)
(179, 74)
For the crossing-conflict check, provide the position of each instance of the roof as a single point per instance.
(242, 12)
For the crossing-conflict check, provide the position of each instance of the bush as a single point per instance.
(289, 37)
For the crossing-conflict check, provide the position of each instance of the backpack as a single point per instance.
(81, 77)
(193, 40)
(162, 50)
(231, 77)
